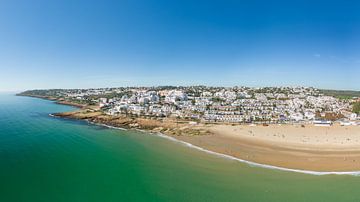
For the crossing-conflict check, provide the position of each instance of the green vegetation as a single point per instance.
(356, 107)
(193, 102)
(341, 94)
(46, 93)
(217, 99)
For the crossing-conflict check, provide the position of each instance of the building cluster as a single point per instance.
(218, 104)
(234, 105)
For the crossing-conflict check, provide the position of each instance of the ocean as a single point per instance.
(44, 158)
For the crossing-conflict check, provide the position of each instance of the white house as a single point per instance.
(353, 116)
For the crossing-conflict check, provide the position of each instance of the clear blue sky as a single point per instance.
(79, 44)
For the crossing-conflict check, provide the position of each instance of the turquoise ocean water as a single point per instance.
(43, 158)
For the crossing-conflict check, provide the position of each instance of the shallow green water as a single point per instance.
(50, 159)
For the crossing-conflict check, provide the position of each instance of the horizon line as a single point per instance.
(155, 86)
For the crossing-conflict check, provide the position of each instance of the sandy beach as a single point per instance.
(334, 148)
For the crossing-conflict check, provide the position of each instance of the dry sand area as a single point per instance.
(316, 148)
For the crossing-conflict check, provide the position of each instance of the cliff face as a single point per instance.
(93, 114)
(166, 126)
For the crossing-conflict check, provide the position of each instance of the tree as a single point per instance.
(217, 99)
(356, 107)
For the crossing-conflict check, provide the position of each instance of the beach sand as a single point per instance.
(315, 148)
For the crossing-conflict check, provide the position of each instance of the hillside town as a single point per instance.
(218, 104)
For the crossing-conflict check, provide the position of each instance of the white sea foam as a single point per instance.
(107, 126)
(99, 124)
(355, 173)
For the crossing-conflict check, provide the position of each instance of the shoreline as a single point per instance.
(222, 155)
(225, 144)
(312, 155)
(355, 173)
(250, 163)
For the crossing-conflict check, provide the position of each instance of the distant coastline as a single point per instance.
(57, 101)
(279, 146)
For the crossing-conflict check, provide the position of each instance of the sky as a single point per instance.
(88, 43)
